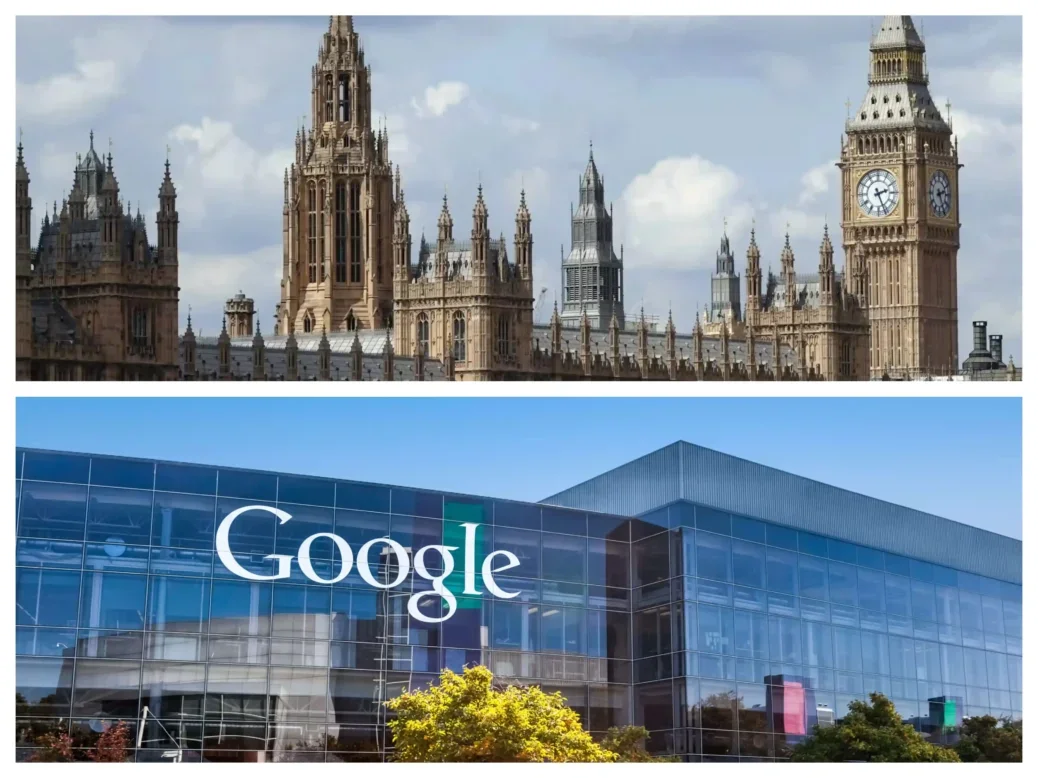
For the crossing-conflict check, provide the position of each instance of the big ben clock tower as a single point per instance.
(900, 171)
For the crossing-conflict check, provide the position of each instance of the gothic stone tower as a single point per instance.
(464, 300)
(592, 275)
(724, 286)
(239, 312)
(900, 170)
(338, 213)
(104, 300)
(23, 268)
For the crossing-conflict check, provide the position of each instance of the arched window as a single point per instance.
(308, 323)
(320, 230)
(422, 333)
(340, 232)
(344, 97)
(351, 322)
(355, 258)
(459, 337)
(504, 335)
(311, 242)
(329, 93)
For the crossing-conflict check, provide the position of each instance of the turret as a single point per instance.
(259, 360)
(523, 240)
(826, 269)
(401, 237)
(167, 219)
(753, 276)
(445, 237)
(789, 275)
(480, 235)
(190, 350)
(223, 348)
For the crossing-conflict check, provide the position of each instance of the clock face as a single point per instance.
(878, 193)
(940, 194)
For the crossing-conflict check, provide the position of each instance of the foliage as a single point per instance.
(987, 739)
(467, 718)
(112, 745)
(53, 748)
(628, 743)
(870, 732)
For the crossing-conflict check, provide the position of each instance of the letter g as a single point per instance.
(223, 547)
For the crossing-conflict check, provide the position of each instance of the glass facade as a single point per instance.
(727, 637)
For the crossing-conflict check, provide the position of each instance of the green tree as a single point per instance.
(628, 743)
(468, 718)
(987, 739)
(870, 732)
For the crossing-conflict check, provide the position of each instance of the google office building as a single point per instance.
(232, 615)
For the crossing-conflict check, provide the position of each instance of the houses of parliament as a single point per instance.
(359, 301)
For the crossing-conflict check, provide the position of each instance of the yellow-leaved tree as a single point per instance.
(468, 718)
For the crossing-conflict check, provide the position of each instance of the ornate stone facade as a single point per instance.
(338, 211)
(96, 301)
(464, 300)
(900, 181)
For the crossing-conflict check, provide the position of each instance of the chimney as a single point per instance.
(980, 337)
(996, 348)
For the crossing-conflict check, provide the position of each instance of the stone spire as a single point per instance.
(523, 239)
(592, 274)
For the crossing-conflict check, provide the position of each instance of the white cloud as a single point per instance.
(100, 65)
(207, 280)
(402, 149)
(518, 126)
(68, 96)
(438, 99)
(672, 216)
(817, 181)
(996, 83)
(799, 223)
(223, 163)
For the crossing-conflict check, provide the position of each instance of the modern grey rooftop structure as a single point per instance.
(683, 471)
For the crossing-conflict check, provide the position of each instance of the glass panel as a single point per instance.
(609, 527)
(785, 640)
(609, 563)
(305, 491)
(248, 485)
(410, 502)
(49, 553)
(782, 571)
(874, 655)
(651, 558)
(56, 511)
(113, 601)
(240, 608)
(782, 537)
(119, 517)
(899, 596)
(184, 521)
(814, 577)
(748, 564)
(869, 557)
(993, 619)
(130, 473)
(185, 478)
(107, 689)
(813, 544)
(843, 584)
(178, 604)
(843, 552)
(712, 520)
(749, 529)
(173, 689)
(924, 603)
(899, 565)
(236, 692)
(714, 556)
(563, 558)
(998, 671)
(48, 466)
(43, 687)
(48, 598)
(563, 521)
(818, 647)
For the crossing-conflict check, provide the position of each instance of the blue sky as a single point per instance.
(694, 120)
(958, 458)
